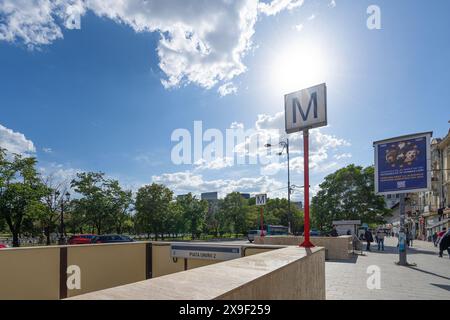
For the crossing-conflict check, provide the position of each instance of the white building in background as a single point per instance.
(434, 206)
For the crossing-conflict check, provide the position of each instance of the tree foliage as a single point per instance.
(20, 188)
(152, 207)
(348, 194)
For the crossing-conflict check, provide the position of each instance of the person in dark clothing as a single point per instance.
(334, 232)
(369, 238)
(444, 244)
(434, 239)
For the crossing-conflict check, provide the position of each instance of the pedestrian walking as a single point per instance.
(380, 237)
(410, 239)
(444, 244)
(334, 232)
(440, 235)
(369, 238)
(434, 238)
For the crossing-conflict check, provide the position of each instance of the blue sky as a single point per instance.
(108, 95)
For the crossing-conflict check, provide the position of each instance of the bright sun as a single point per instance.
(297, 67)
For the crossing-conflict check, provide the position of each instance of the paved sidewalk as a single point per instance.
(429, 280)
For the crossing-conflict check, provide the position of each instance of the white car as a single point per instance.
(252, 234)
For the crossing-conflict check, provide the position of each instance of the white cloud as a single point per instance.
(59, 173)
(332, 4)
(15, 142)
(226, 89)
(47, 150)
(272, 126)
(202, 41)
(276, 6)
(185, 182)
(298, 27)
(343, 156)
(215, 164)
(35, 22)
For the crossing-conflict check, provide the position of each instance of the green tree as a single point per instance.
(20, 187)
(152, 206)
(194, 213)
(236, 209)
(48, 211)
(94, 202)
(119, 202)
(174, 222)
(348, 194)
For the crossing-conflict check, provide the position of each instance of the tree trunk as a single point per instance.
(16, 243)
(47, 235)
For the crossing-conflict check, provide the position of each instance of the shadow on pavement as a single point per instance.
(428, 272)
(353, 260)
(442, 286)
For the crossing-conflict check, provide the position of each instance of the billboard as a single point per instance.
(402, 165)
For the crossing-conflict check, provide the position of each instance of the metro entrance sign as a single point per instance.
(261, 200)
(304, 110)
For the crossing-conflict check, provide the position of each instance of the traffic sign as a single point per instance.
(306, 109)
(261, 199)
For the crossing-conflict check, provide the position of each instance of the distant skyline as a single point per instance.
(102, 85)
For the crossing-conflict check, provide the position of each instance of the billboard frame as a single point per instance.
(428, 136)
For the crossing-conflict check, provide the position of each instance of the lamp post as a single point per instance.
(285, 145)
(62, 239)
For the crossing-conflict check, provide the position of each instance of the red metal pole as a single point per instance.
(262, 221)
(306, 243)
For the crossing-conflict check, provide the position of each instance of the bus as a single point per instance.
(269, 231)
(277, 230)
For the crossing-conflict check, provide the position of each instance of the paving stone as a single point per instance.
(429, 280)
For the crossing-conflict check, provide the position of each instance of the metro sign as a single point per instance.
(261, 199)
(306, 109)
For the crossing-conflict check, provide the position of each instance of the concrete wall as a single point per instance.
(162, 263)
(339, 248)
(107, 265)
(290, 273)
(38, 272)
(29, 274)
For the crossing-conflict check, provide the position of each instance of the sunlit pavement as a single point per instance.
(429, 280)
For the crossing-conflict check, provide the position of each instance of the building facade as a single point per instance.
(434, 206)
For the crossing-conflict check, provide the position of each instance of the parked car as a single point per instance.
(314, 233)
(81, 239)
(3, 246)
(111, 238)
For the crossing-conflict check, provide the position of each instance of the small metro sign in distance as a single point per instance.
(261, 199)
(306, 109)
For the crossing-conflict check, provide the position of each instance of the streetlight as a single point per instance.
(285, 145)
(62, 240)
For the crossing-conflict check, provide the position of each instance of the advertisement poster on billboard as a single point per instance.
(402, 165)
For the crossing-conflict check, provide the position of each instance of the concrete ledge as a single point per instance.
(339, 248)
(290, 273)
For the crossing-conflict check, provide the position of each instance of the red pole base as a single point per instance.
(307, 244)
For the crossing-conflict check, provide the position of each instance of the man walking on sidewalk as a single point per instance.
(380, 236)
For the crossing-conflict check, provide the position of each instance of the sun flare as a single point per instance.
(297, 67)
